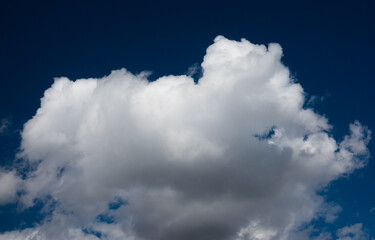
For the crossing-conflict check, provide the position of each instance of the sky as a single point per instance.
(148, 120)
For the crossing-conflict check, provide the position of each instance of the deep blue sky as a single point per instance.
(329, 47)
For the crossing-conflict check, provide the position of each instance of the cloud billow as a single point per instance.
(232, 156)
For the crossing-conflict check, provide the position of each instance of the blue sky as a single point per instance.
(327, 47)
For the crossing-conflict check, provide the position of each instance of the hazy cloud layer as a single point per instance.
(234, 156)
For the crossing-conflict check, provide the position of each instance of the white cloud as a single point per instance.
(9, 184)
(353, 232)
(187, 158)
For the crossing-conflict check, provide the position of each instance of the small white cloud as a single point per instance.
(193, 69)
(353, 232)
(9, 185)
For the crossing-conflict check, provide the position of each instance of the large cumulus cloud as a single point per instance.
(232, 156)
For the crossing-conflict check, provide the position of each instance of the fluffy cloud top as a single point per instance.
(233, 156)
